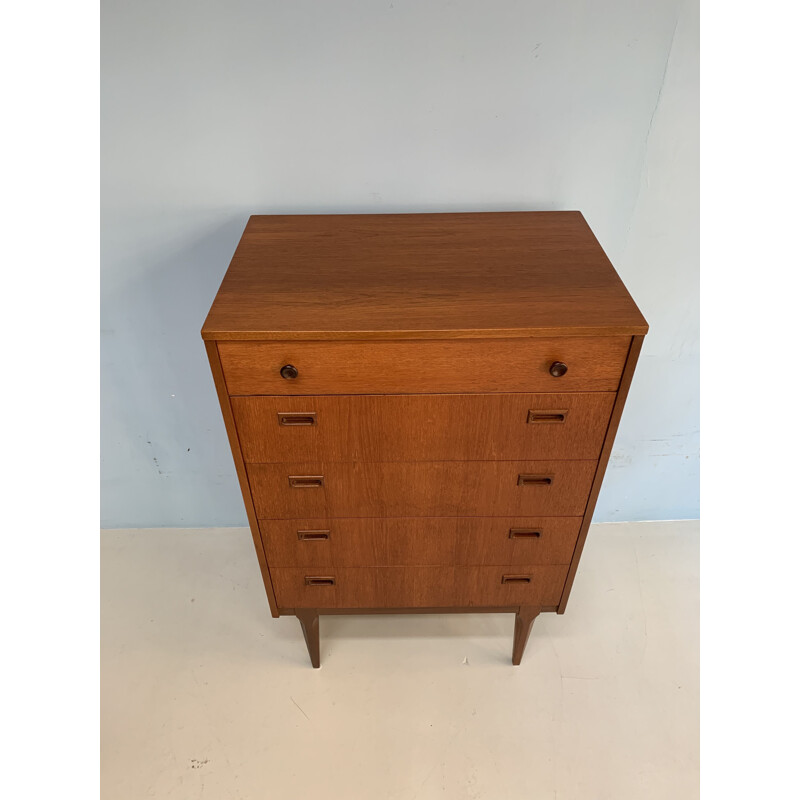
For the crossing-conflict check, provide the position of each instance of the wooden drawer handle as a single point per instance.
(524, 533)
(535, 480)
(546, 416)
(313, 536)
(315, 580)
(306, 481)
(558, 369)
(516, 579)
(295, 418)
(289, 372)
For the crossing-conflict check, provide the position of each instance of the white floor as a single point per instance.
(204, 695)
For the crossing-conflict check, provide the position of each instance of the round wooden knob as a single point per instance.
(290, 372)
(558, 368)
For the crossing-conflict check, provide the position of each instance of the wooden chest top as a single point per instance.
(421, 276)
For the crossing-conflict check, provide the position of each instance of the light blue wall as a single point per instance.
(213, 111)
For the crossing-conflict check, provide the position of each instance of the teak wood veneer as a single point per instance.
(421, 407)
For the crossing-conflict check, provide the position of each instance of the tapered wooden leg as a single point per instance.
(309, 622)
(522, 630)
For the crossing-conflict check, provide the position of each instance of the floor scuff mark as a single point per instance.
(300, 709)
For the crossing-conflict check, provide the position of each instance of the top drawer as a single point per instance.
(593, 364)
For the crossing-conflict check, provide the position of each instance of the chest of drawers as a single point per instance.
(421, 407)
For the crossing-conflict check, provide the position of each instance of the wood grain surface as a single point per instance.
(421, 489)
(522, 630)
(476, 427)
(391, 395)
(503, 365)
(386, 587)
(419, 541)
(400, 276)
(241, 472)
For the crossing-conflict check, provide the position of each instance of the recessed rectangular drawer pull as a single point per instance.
(516, 579)
(535, 480)
(547, 416)
(306, 481)
(291, 419)
(313, 536)
(319, 581)
(523, 533)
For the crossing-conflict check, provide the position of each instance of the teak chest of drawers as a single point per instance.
(421, 407)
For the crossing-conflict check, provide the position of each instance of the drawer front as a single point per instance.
(419, 541)
(418, 587)
(422, 489)
(433, 427)
(504, 365)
